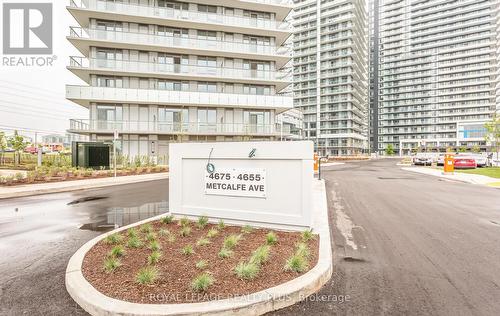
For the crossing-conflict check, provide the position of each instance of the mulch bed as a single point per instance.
(177, 270)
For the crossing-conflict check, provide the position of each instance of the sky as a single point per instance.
(33, 98)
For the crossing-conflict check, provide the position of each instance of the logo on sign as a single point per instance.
(27, 28)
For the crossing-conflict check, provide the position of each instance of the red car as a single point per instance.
(465, 163)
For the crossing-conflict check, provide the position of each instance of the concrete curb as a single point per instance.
(258, 303)
(75, 185)
(459, 177)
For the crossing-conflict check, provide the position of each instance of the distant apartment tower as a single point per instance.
(330, 76)
(176, 71)
(373, 18)
(438, 73)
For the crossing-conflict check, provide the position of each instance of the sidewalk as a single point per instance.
(457, 176)
(75, 185)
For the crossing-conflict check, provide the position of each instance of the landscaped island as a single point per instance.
(181, 261)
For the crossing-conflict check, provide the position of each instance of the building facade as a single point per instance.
(161, 71)
(373, 18)
(330, 75)
(438, 63)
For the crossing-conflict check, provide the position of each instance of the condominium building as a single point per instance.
(330, 75)
(373, 18)
(161, 71)
(438, 72)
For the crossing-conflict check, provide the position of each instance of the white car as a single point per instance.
(422, 159)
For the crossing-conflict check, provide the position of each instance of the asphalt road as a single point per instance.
(408, 244)
(39, 234)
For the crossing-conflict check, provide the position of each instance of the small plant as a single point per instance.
(147, 275)
(225, 253)
(111, 264)
(221, 224)
(271, 238)
(296, 263)
(150, 236)
(132, 232)
(146, 228)
(202, 222)
(302, 250)
(202, 242)
(185, 231)
(114, 239)
(154, 245)
(117, 251)
(171, 238)
(247, 229)
(202, 264)
(167, 219)
(231, 241)
(307, 235)
(247, 270)
(154, 257)
(163, 232)
(134, 242)
(184, 221)
(212, 232)
(202, 282)
(260, 255)
(187, 250)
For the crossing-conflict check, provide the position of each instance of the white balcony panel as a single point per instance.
(83, 95)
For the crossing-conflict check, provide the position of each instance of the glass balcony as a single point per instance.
(181, 69)
(188, 43)
(157, 127)
(181, 15)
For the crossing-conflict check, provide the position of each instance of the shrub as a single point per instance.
(225, 253)
(184, 222)
(247, 270)
(296, 263)
(154, 245)
(187, 250)
(247, 229)
(163, 232)
(185, 231)
(302, 250)
(111, 264)
(150, 236)
(154, 257)
(212, 232)
(260, 255)
(202, 222)
(134, 242)
(271, 238)
(231, 241)
(202, 282)
(202, 264)
(221, 224)
(307, 235)
(147, 275)
(146, 228)
(167, 219)
(19, 176)
(171, 238)
(202, 242)
(114, 239)
(132, 232)
(117, 251)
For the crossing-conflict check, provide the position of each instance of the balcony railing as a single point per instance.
(182, 15)
(96, 126)
(174, 41)
(146, 67)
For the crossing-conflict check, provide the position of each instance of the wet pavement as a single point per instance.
(39, 234)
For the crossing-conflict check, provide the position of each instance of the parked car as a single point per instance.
(440, 160)
(481, 161)
(422, 159)
(465, 163)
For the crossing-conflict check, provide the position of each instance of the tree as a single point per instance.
(462, 149)
(476, 149)
(18, 144)
(3, 146)
(389, 150)
(493, 133)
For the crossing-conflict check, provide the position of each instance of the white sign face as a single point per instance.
(249, 182)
